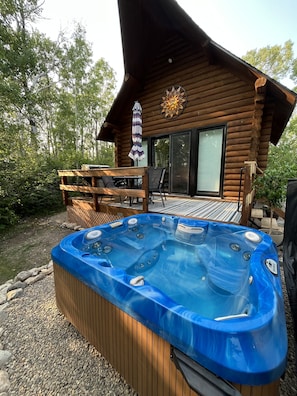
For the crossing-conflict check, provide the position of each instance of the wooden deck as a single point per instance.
(108, 204)
(209, 209)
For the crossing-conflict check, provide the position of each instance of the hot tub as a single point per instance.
(211, 290)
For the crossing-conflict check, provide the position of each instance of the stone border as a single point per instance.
(15, 288)
(72, 226)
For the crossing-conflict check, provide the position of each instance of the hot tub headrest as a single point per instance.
(190, 231)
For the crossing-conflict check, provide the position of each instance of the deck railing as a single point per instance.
(88, 182)
(85, 185)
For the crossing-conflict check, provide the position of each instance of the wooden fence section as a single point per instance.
(88, 183)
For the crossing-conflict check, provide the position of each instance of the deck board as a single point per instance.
(209, 209)
(216, 210)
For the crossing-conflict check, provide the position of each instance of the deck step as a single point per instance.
(265, 223)
(257, 213)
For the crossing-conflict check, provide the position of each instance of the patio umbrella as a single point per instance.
(136, 152)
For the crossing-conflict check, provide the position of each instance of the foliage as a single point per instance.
(282, 166)
(276, 61)
(271, 187)
(279, 63)
(8, 198)
(38, 191)
(52, 99)
(27, 187)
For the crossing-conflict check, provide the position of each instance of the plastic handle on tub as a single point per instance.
(137, 281)
(116, 224)
(272, 266)
(241, 315)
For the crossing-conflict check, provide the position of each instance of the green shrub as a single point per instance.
(39, 193)
(30, 184)
(8, 195)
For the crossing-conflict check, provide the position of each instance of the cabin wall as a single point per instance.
(215, 96)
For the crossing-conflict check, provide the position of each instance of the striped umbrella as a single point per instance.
(136, 152)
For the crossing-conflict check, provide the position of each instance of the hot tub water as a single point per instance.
(206, 273)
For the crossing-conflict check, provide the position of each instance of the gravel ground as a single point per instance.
(289, 382)
(51, 358)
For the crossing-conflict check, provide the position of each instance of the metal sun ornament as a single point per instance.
(173, 102)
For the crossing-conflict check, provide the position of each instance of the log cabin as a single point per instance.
(205, 112)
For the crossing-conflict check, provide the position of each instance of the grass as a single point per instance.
(28, 245)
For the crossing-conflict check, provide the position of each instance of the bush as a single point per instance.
(30, 184)
(8, 195)
(28, 187)
(271, 187)
(39, 193)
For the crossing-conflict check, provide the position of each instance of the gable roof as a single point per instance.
(145, 25)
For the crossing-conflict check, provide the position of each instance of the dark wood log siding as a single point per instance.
(215, 96)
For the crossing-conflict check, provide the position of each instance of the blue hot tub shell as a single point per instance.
(245, 342)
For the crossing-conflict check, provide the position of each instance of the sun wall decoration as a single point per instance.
(173, 103)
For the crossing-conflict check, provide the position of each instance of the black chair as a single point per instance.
(156, 181)
(109, 182)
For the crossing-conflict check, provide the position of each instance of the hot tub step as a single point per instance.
(200, 379)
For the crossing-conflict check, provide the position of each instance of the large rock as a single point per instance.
(14, 294)
(17, 285)
(23, 275)
(34, 279)
(4, 381)
(4, 357)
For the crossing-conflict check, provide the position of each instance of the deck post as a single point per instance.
(248, 191)
(65, 194)
(95, 196)
(145, 187)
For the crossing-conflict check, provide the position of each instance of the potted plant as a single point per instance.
(270, 188)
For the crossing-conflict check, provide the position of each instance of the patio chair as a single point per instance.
(109, 182)
(156, 181)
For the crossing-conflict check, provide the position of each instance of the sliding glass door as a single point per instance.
(173, 153)
(160, 157)
(180, 162)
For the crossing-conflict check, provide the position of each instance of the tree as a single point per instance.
(19, 61)
(276, 61)
(86, 91)
(52, 96)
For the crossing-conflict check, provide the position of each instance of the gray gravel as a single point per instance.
(288, 385)
(49, 357)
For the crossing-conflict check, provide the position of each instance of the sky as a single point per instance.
(237, 25)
